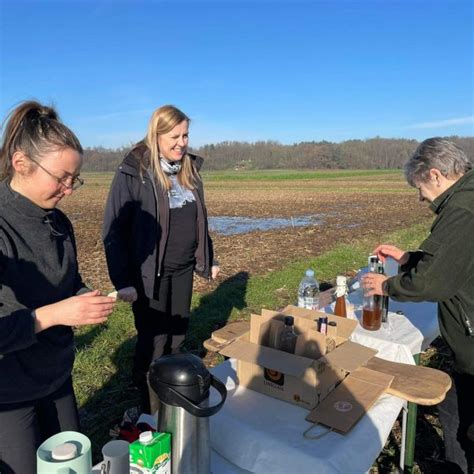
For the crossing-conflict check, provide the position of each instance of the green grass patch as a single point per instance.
(105, 177)
(271, 175)
(381, 181)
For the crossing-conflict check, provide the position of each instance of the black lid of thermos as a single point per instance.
(182, 380)
(185, 373)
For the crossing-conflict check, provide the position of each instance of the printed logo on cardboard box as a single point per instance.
(274, 376)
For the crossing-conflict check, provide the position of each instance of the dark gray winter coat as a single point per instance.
(136, 225)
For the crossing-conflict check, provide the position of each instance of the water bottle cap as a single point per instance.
(64, 452)
(146, 437)
(310, 273)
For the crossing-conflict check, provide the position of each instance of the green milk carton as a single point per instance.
(151, 453)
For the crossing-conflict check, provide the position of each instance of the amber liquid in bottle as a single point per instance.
(371, 311)
(341, 291)
(340, 308)
(371, 319)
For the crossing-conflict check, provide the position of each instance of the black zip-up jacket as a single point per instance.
(38, 266)
(442, 270)
(136, 225)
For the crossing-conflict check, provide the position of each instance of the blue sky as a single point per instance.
(244, 70)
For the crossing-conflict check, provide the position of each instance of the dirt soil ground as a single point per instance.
(346, 217)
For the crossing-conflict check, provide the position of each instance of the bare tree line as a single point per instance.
(374, 153)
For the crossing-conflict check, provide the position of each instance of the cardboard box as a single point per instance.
(306, 377)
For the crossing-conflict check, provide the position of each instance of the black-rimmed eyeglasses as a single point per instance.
(69, 182)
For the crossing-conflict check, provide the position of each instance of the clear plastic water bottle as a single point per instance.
(308, 291)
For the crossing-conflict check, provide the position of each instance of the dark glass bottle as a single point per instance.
(383, 298)
(287, 340)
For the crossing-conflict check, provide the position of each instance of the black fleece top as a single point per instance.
(442, 270)
(38, 266)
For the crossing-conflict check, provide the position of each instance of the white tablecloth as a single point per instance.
(264, 435)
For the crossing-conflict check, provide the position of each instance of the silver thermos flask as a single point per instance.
(182, 384)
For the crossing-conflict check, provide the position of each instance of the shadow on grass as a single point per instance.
(105, 408)
(215, 310)
(82, 341)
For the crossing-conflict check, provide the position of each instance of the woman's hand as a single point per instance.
(372, 284)
(384, 251)
(128, 294)
(88, 308)
(215, 270)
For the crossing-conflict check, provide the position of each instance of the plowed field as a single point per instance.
(350, 208)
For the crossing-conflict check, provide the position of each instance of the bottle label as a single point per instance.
(308, 302)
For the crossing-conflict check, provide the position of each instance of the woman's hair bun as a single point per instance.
(38, 111)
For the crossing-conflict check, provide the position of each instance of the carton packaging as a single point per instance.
(153, 457)
(307, 377)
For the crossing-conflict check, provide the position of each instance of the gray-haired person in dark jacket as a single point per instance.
(442, 270)
(41, 291)
(156, 235)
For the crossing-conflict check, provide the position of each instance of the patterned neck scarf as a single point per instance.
(178, 195)
(170, 167)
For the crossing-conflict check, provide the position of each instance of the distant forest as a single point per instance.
(374, 153)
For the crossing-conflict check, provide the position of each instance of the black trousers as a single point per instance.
(456, 414)
(161, 323)
(24, 426)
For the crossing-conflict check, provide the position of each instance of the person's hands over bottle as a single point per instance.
(383, 251)
(88, 308)
(372, 284)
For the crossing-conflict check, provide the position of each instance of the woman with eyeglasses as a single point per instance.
(42, 295)
(156, 236)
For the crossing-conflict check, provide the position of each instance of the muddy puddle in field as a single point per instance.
(230, 225)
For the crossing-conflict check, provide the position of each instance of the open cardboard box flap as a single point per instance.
(273, 359)
(348, 356)
(351, 399)
(252, 347)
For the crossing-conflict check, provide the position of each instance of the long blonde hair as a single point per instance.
(162, 121)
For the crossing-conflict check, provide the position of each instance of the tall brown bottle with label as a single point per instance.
(341, 291)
